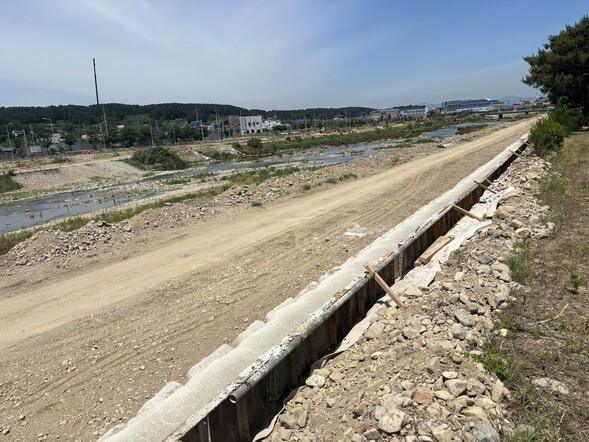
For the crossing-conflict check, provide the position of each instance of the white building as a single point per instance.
(251, 125)
(271, 123)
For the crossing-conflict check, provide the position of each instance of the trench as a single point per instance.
(247, 404)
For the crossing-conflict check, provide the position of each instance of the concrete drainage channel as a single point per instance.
(236, 391)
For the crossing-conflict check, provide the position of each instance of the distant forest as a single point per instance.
(134, 125)
(117, 113)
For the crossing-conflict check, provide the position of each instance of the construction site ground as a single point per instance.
(113, 313)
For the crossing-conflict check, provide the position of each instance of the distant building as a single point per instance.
(413, 112)
(251, 125)
(477, 105)
(384, 114)
(270, 123)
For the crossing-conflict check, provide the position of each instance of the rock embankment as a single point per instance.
(415, 373)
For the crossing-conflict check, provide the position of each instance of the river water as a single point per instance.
(30, 212)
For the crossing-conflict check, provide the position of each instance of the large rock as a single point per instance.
(456, 387)
(484, 432)
(392, 422)
(465, 318)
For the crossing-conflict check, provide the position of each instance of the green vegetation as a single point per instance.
(520, 262)
(560, 68)
(548, 325)
(260, 175)
(7, 182)
(157, 158)
(463, 130)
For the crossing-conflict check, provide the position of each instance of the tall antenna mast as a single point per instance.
(97, 102)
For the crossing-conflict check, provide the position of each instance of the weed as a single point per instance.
(493, 360)
(331, 181)
(306, 187)
(576, 281)
(347, 176)
(520, 262)
(256, 204)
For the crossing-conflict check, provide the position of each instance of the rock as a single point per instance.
(504, 212)
(423, 397)
(295, 419)
(449, 287)
(443, 395)
(502, 271)
(411, 332)
(551, 385)
(374, 331)
(516, 224)
(523, 232)
(456, 387)
(535, 219)
(484, 432)
(449, 375)
(497, 391)
(485, 259)
(526, 431)
(459, 276)
(359, 409)
(455, 297)
(413, 292)
(315, 380)
(432, 365)
(371, 434)
(465, 318)
(443, 433)
(475, 411)
(458, 331)
(472, 307)
(476, 387)
(392, 422)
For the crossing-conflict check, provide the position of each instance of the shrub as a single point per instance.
(570, 118)
(7, 183)
(255, 143)
(158, 158)
(547, 136)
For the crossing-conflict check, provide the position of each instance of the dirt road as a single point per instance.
(82, 350)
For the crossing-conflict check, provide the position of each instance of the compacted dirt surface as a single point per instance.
(93, 323)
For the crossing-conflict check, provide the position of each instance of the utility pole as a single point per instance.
(202, 135)
(98, 104)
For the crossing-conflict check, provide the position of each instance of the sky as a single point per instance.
(272, 54)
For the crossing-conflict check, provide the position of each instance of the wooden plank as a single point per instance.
(383, 284)
(467, 213)
(485, 187)
(516, 154)
(433, 249)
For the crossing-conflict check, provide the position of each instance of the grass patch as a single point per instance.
(7, 182)
(520, 262)
(548, 322)
(157, 158)
(463, 130)
(259, 176)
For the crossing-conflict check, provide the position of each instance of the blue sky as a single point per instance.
(272, 54)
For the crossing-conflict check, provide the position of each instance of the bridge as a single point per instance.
(527, 110)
